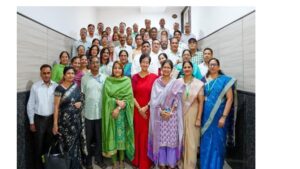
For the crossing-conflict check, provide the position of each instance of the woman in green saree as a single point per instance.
(117, 117)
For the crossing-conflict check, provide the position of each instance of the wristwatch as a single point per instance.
(119, 108)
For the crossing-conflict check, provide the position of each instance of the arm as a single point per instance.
(200, 107)
(30, 108)
(55, 115)
(229, 97)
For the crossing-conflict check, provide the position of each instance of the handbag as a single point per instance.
(57, 159)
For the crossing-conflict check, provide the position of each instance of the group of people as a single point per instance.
(153, 103)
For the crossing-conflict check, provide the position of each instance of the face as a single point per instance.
(129, 40)
(96, 42)
(161, 58)
(128, 31)
(83, 33)
(139, 40)
(147, 23)
(122, 39)
(115, 37)
(207, 55)
(91, 29)
(155, 45)
(186, 56)
(187, 69)
(162, 23)
(135, 28)
(83, 61)
(213, 67)
(146, 36)
(145, 64)
(174, 44)
(94, 66)
(111, 47)
(123, 58)
(146, 48)
(117, 70)
(177, 36)
(164, 33)
(94, 51)
(81, 51)
(45, 74)
(164, 43)
(116, 29)
(142, 31)
(193, 45)
(154, 34)
(105, 56)
(64, 59)
(69, 75)
(187, 28)
(100, 26)
(108, 30)
(104, 41)
(122, 28)
(166, 69)
(76, 64)
(176, 26)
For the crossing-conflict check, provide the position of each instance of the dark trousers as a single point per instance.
(93, 132)
(43, 137)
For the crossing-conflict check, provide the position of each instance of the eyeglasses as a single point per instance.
(213, 65)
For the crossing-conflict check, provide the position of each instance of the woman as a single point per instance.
(218, 116)
(84, 64)
(142, 31)
(68, 122)
(115, 39)
(57, 71)
(186, 56)
(138, 50)
(105, 65)
(193, 97)
(117, 117)
(164, 33)
(94, 51)
(123, 56)
(111, 48)
(166, 123)
(80, 50)
(161, 58)
(104, 41)
(75, 62)
(142, 84)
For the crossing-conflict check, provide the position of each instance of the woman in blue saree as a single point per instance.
(123, 56)
(217, 116)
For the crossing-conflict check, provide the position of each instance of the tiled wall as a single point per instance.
(36, 45)
(234, 46)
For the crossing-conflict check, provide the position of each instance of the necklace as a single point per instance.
(209, 88)
(188, 87)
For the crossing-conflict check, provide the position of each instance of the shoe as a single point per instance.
(122, 165)
(102, 165)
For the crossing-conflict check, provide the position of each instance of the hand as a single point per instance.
(144, 109)
(77, 105)
(165, 115)
(222, 122)
(55, 130)
(121, 103)
(32, 128)
(115, 113)
(198, 123)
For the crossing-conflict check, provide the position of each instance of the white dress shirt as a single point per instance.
(41, 100)
(203, 68)
(185, 38)
(125, 47)
(175, 56)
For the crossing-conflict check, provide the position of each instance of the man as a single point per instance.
(153, 33)
(40, 108)
(174, 53)
(128, 31)
(100, 28)
(154, 65)
(187, 33)
(91, 36)
(81, 41)
(91, 86)
(135, 30)
(116, 29)
(122, 26)
(162, 23)
(175, 27)
(177, 35)
(197, 56)
(207, 55)
(147, 25)
(122, 46)
(129, 41)
(108, 31)
(146, 49)
(164, 43)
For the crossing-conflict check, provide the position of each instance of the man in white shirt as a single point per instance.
(187, 34)
(122, 46)
(135, 67)
(182, 46)
(81, 41)
(207, 55)
(40, 109)
(162, 23)
(100, 28)
(154, 65)
(175, 28)
(164, 43)
(147, 25)
(174, 53)
(153, 33)
(122, 27)
(91, 33)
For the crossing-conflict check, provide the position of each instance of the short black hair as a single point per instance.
(68, 68)
(143, 56)
(211, 51)
(176, 31)
(164, 54)
(167, 61)
(45, 66)
(192, 40)
(144, 42)
(90, 51)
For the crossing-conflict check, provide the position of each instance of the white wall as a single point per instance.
(206, 20)
(112, 16)
(67, 20)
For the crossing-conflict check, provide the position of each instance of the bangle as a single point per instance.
(224, 115)
(119, 108)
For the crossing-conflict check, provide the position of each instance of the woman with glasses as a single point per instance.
(105, 64)
(218, 116)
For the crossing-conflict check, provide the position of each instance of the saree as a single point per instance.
(71, 123)
(191, 133)
(213, 138)
(127, 69)
(77, 79)
(166, 134)
(178, 71)
(142, 87)
(117, 134)
(57, 73)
